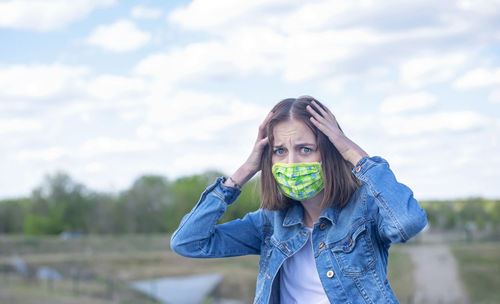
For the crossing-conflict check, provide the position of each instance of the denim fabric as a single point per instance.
(350, 245)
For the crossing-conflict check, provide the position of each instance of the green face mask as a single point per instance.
(299, 181)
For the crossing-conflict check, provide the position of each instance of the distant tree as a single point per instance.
(143, 205)
(12, 214)
(248, 201)
(58, 204)
(186, 192)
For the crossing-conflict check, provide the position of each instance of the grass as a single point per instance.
(117, 259)
(134, 257)
(400, 273)
(479, 266)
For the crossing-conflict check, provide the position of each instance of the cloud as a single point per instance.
(46, 15)
(44, 154)
(433, 68)
(478, 78)
(39, 81)
(121, 36)
(263, 51)
(406, 103)
(494, 96)
(201, 15)
(15, 125)
(142, 12)
(459, 121)
(485, 7)
(109, 87)
(109, 145)
(171, 117)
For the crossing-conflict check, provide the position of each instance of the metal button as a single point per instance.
(350, 242)
(322, 226)
(330, 274)
(321, 245)
(358, 168)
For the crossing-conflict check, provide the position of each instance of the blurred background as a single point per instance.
(115, 115)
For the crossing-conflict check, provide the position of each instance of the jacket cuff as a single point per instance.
(227, 193)
(365, 164)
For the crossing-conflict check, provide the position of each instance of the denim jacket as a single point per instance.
(351, 244)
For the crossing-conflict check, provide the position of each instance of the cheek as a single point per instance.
(316, 156)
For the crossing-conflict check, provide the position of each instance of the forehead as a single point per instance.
(293, 129)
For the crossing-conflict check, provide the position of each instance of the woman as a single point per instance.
(328, 215)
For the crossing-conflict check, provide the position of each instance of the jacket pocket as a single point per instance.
(355, 253)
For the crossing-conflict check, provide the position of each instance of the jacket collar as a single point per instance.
(295, 213)
(331, 214)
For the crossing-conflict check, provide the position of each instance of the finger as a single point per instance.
(330, 113)
(318, 125)
(315, 114)
(261, 143)
(320, 109)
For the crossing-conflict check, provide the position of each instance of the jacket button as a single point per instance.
(330, 274)
(321, 245)
(358, 168)
(322, 226)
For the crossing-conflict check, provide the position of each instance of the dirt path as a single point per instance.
(436, 275)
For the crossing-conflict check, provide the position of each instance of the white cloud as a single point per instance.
(486, 7)
(142, 12)
(186, 116)
(494, 96)
(109, 145)
(46, 15)
(408, 102)
(113, 87)
(478, 78)
(214, 14)
(34, 81)
(94, 167)
(44, 154)
(427, 69)
(19, 125)
(296, 57)
(121, 36)
(433, 123)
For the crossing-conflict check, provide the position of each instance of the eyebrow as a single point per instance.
(297, 145)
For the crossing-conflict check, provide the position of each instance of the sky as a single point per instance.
(109, 90)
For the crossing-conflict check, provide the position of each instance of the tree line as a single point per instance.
(155, 204)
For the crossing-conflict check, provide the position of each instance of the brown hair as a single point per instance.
(340, 182)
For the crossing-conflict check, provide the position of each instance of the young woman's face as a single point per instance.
(294, 142)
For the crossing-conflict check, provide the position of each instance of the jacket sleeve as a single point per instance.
(399, 216)
(198, 235)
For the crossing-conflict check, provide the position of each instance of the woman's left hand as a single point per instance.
(326, 122)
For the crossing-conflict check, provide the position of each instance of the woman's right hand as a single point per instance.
(253, 164)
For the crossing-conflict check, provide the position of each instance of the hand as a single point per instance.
(326, 122)
(253, 164)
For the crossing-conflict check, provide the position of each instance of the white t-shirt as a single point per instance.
(299, 279)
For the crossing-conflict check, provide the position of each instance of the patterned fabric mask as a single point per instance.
(299, 181)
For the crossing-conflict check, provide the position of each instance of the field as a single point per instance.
(479, 266)
(105, 264)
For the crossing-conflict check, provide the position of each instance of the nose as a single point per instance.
(292, 157)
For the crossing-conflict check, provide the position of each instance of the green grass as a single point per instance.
(479, 266)
(400, 273)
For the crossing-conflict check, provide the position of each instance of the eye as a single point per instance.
(305, 150)
(279, 151)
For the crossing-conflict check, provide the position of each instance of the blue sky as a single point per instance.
(110, 90)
